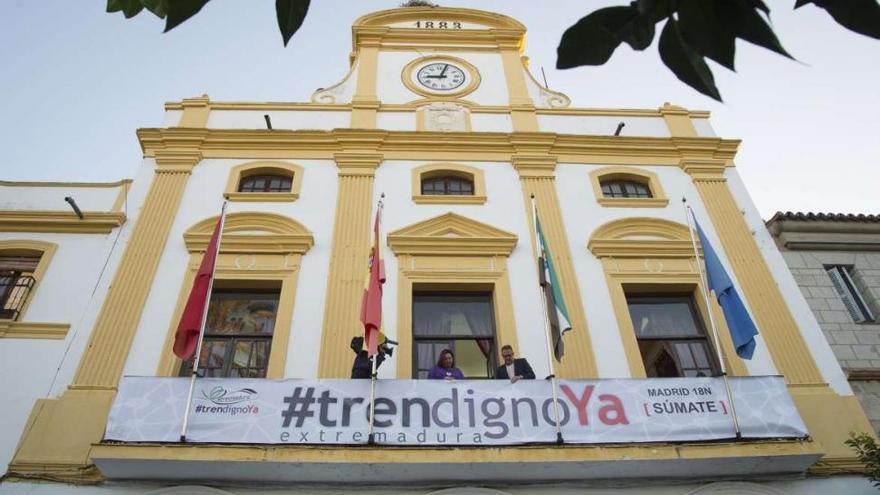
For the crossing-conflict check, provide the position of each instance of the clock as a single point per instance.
(440, 76)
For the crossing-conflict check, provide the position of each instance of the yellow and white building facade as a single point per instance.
(439, 113)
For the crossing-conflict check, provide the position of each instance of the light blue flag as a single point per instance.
(742, 328)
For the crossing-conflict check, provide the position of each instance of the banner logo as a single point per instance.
(222, 397)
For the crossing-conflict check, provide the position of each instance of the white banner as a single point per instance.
(429, 412)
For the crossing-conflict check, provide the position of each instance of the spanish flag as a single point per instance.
(190, 327)
(371, 306)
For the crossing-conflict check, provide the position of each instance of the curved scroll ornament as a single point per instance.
(552, 99)
(543, 97)
(340, 92)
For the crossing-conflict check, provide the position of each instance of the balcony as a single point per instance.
(14, 291)
(318, 431)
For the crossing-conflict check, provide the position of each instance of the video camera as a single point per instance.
(362, 367)
(385, 348)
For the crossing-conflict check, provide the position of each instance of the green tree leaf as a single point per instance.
(688, 65)
(860, 16)
(654, 10)
(291, 14)
(129, 8)
(595, 37)
(703, 26)
(750, 26)
(158, 7)
(178, 11)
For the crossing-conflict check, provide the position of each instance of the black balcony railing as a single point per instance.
(14, 291)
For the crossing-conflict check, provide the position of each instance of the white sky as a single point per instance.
(76, 82)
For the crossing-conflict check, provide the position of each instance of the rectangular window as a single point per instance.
(672, 339)
(238, 335)
(16, 282)
(849, 293)
(464, 323)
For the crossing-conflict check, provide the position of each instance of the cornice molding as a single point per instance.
(33, 330)
(450, 234)
(176, 160)
(641, 237)
(253, 233)
(118, 183)
(93, 222)
(534, 165)
(411, 106)
(357, 163)
(233, 143)
(703, 169)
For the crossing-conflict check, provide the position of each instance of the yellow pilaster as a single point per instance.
(195, 112)
(829, 417)
(777, 325)
(56, 442)
(365, 102)
(536, 172)
(348, 261)
(678, 120)
(522, 108)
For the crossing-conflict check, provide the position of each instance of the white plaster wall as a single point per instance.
(281, 119)
(599, 125)
(202, 198)
(52, 198)
(390, 88)
(491, 122)
(172, 118)
(71, 291)
(59, 298)
(503, 209)
(582, 215)
(396, 121)
(703, 127)
(797, 305)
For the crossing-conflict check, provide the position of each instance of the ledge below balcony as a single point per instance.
(406, 465)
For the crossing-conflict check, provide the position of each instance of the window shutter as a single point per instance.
(846, 290)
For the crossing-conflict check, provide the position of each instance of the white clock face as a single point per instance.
(441, 76)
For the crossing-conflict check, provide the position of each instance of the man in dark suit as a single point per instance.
(513, 369)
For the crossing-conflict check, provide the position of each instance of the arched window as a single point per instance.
(447, 185)
(621, 188)
(16, 281)
(265, 183)
(627, 187)
(22, 265)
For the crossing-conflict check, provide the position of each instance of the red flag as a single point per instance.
(190, 327)
(371, 306)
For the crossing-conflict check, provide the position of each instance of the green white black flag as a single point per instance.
(556, 309)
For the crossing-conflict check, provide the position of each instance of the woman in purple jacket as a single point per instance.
(445, 369)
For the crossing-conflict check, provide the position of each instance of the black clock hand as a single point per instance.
(442, 72)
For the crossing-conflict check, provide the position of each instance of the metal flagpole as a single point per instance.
(195, 365)
(550, 356)
(370, 438)
(705, 283)
(375, 357)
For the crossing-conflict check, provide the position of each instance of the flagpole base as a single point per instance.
(182, 438)
(559, 440)
(371, 439)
